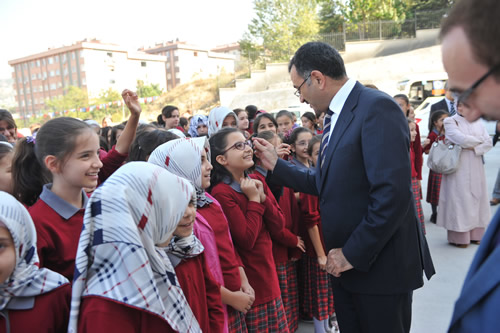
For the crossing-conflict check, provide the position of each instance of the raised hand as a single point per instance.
(132, 101)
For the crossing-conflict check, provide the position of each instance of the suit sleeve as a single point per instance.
(289, 175)
(385, 144)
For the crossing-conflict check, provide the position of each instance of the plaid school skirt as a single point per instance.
(433, 188)
(236, 321)
(269, 317)
(287, 277)
(418, 203)
(317, 292)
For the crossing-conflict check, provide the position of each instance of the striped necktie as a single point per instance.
(452, 109)
(326, 134)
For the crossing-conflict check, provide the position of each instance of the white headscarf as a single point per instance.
(216, 118)
(182, 157)
(138, 207)
(27, 280)
(177, 132)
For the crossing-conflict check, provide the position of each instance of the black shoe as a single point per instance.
(433, 218)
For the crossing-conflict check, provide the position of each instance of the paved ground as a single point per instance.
(433, 304)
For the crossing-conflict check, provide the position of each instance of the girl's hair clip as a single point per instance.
(31, 139)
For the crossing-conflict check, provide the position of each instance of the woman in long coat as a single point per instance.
(463, 203)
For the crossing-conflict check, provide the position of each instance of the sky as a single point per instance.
(32, 26)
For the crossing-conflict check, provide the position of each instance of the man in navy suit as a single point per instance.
(471, 56)
(376, 247)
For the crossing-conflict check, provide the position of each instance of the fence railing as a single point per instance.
(371, 30)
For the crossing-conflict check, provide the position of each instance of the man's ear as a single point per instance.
(221, 159)
(51, 163)
(319, 78)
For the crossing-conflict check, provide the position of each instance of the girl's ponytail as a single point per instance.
(28, 175)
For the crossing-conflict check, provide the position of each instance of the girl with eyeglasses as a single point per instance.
(287, 245)
(252, 214)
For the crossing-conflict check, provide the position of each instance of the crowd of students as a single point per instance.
(172, 228)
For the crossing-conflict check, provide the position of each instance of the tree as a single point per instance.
(73, 98)
(280, 27)
(330, 16)
(148, 90)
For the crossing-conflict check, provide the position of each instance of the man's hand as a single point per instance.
(266, 153)
(337, 263)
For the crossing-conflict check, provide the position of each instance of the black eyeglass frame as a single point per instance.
(463, 96)
(244, 143)
(297, 92)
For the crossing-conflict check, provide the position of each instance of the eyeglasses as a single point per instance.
(297, 92)
(239, 146)
(463, 96)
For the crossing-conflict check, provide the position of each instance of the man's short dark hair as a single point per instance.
(480, 20)
(318, 56)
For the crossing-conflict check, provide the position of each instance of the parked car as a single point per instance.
(419, 87)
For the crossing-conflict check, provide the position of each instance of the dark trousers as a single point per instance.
(363, 313)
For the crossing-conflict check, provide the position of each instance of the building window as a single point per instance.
(51, 73)
(56, 58)
(58, 72)
(82, 67)
(34, 89)
(32, 64)
(52, 86)
(59, 84)
(143, 64)
(43, 62)
(73, 69)
(51, 60)
(112, 81)
(64, 58)
(45, 75)
(39, 75)
(38, 63)
(73, 55)
(84, 82)
(33, 76)
(66, 72)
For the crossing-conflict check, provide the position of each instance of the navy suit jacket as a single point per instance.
(477, 308)
(441, 105)
(366, 201)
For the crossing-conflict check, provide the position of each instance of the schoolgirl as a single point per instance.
(436, 132)
(415, 186)
(124, 280)
(285, 122)
(190, 159)
(6, 154)
(50, 175)
(32, 299)
(287, 245)
(243, 123)
(198, 126)
(191, 266)
(316, 292)
(221, 117)
(251, 211)
(265, 122)
(310, 122)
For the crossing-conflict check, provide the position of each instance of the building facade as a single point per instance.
(91, 65)
(188, 62)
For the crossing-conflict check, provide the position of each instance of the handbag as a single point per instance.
(444, 157)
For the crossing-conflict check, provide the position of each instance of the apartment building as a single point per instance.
(88, 64)
(187, 62)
